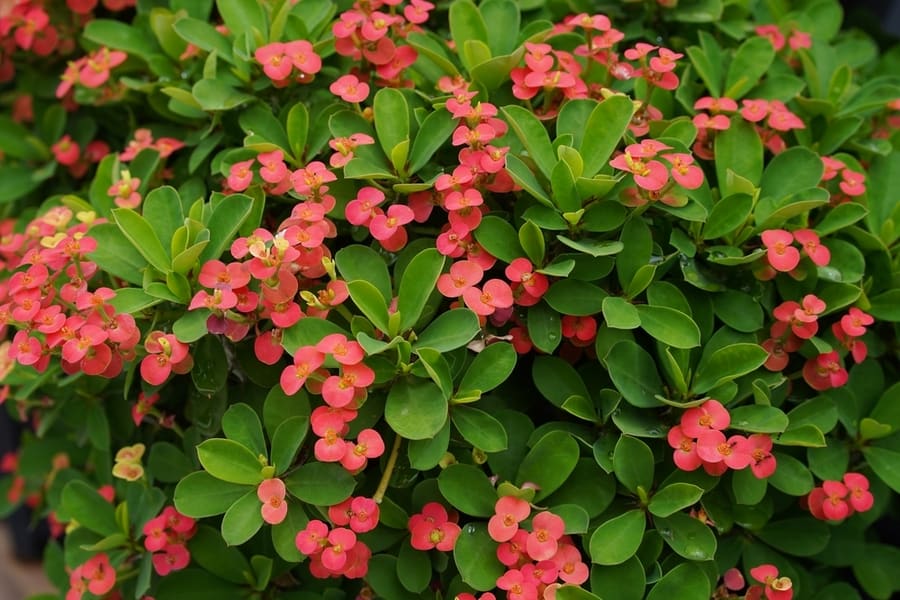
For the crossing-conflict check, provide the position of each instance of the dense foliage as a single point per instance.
(536, 299)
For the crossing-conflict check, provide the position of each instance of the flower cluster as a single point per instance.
(547, 70)
(837, 500)
(166, 536)
(69, 153)
(93, 71)
(708, 123)
(333, 552)
(96, 575)
(49, 302)
(332, 424)
(797, 40)
(359, 513)
(851, 184)
(698, 441)
(774, 587)
(279, 60)
(433, 528)
(652, 175)
(778, 119)
(128, 463)
(783, 256)
(165, 355)
(143, 139)
(538, 561)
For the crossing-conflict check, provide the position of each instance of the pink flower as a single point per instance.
(384, 226)
(809, 240)
(762, 463)
(571, 568)
(173, 557)
(509, 511)
(710, 415)
(714, 448)
(855, 321)
(432, 528)
(306, 360)
(340, 541)
(339, 390)
(99, 573)
(825, 372)
(853, 183)
(495, 294)
(543, 541)
(463, 275)
(860, 497)
(650, 175)
(777, 588)
(368, 445)
(779, 251)
(312, 539)
(773, 33)
(687, 174)
(685, 456)
(754, 110)
(350, 89)
(716, 105)
(276, 65)
(303, 57)
(344, 351)
(271, 493)
(362, 209)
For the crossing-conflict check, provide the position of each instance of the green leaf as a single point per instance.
(202, 495)
(669, 326)
(886, 464)
(449, 331)
(625, 581)
(687, 536)
(796, 537)
(167, 463)
(241, 424)
(549, 462)
(82, 503)
(758, 418)
(191, 326)
(633, 371)
(791, 476)
(284, 534)
(738, 150)
(417, 284)
(197, 584)
(619, 313)
(297, 127)
(244, 16)
(263, 127)
(748, 489)
(727, 364)
(673, 498)
(531, 238)
(534, 137)
(603, 131)
(592, 247)
(286, 442)
(432, 364)
(544, 327)
(791, 171)
(120, 36)
(368, 299)
(416, 409)
(499, 238)
(475, 555)
(750, 63)
(633, 464)
(875, 569)
(574, 297)
(426, 454)
(392, 123)
(618, 539)
(361, 262)
(224, 224)
(242, 520)
(432, 134)
(686, 581)
(382, 576)
(215, 95)
(524, 177)
(141, 235)
(727, 215)
(413, 568)
(230, 461)
(210, 370)
(588, 487)
(573, 592)
(491, 367)
(479, 428)
(468, 489)
(738, 310)
(839, 217)
(320, 484)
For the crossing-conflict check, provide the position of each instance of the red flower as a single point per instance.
(855, 321)
(860, 497)
(777, 588)
(432, 528)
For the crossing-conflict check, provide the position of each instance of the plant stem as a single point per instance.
(388, 470)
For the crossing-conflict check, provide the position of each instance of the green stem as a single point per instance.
(388, 470)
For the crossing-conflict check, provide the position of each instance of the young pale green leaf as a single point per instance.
(244, 16)
(215, 95)
(202, 495)
(320, 484)
(242, 520)
(674, 497)
(727, 364)
(479, 428)
(466, 23)
(416, 408)
(191, 326)
(633, 464)
(617, 539)
(142, 236)
(230, 461)
(669, 326)
(417, 285)
(603, 131)
(562, 182)
(619, 313)
(241, 424)
(750, 63)
(449, 331)
(475, 555)
(549, 463)
(490, 368)
(468, 489)
(634, 373)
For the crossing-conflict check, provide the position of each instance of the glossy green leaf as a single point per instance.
(727, 215)
(673, 498)
(244, 16)
(491, 367)
(625, 581)
(686, 581)
(284, 534)
(549, 462)
(241, 424)
(392, 122)
(210, 370)
(215, 95)
(669, 326)
(634, 373)
(759, 419)
(449, 331)
(297, 129)
(727, 364)
(886, 464)
(224, 224)
(202, 495)
(574, 297)
(603, 131)
(286, 442)
(791, 476)
(479, 428)
(468, 489)
(242, 520)
(475, 555)
(82, 503)
(416, 409)
(361, 262)
(417, 284)
(369, 300)
(433, 132)
(499, 238)
(320, 484)
(750, 62)
(619, 313)
(739, 150)
(120, 36)
(230, 461)
(687, 536)
(533, 135)
(617, 539)
(797, 536)
(633, 464)
(140, 233)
